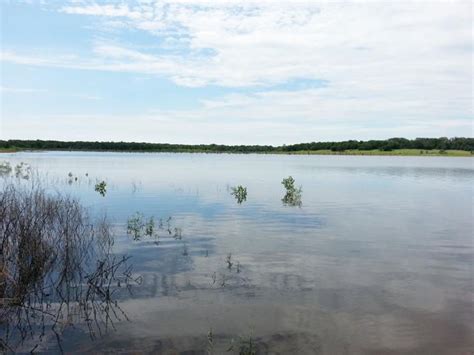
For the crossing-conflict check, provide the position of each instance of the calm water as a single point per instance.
(378, 259)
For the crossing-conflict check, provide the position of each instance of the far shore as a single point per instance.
(8, 150)
(376, 152)
(395, 152)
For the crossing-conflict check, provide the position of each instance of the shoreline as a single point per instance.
(395, 152)
(5, 150)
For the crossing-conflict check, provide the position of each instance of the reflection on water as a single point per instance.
(378, 259)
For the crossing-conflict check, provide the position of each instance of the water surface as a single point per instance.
(378, 259)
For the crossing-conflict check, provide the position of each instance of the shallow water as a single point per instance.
(378, 259)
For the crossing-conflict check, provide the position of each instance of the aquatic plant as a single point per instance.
(244, 346)
(136, 186)
(210, 342)
(139, 227)
(293, 195)
(150, 227)
(185, 250)
(228, 260)
(71, 178)
(136, 225)
(214, 277)
(57, 267)
(178, 233)
(240, 193)
(23, 171)
(101, 188)
(224, 280)
(5, 168)
(247, 347)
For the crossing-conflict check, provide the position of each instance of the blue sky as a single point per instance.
(235, 72)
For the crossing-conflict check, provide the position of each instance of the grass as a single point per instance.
(8, 150)
(395, 152)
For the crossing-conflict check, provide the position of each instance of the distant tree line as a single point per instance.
(389, 144)
(442, 143)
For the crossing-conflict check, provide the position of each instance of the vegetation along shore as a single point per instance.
(394, 146)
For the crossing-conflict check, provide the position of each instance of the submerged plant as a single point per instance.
(244, 346)
(150, 227)
(101, 187)
(136, 225)
(247, 347)
(293, 195)
(240, 193)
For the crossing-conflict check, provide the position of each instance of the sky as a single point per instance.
(235, 72)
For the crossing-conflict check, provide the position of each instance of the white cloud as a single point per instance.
(272, 41)
(384, 62)
(120, 10)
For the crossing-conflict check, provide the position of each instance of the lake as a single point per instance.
(376, 260)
